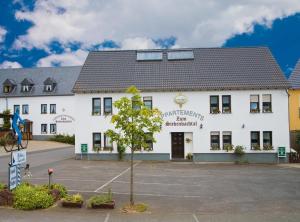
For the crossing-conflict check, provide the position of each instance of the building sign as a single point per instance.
(180, 99)
(182, 118)
(63, 119)
(12, 177)
(281, 152)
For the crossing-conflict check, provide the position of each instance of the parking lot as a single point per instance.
(202, 188)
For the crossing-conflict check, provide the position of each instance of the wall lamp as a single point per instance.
(201, 126)
(243, 126)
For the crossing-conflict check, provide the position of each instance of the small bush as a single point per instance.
(64, 139)
(6, 120)
(136, 208)
(28, 197)
(76, 198)
(239, 151)
(100, 199)
(2, 186)
(61, 188)
(121, 151)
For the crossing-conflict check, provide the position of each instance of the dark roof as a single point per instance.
(65, 76)
(9, 82)
(211, 69)
(49, 81)
(27, 82)
(294, 79)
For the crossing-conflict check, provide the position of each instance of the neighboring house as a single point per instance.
(43, 95)
(294, 106)
(210, 98)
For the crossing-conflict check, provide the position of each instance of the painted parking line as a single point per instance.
(160, 184)
(116, 177)
(64, 179)
(107, 217)
(195, 217)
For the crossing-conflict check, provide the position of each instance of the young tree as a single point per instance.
(134, 124)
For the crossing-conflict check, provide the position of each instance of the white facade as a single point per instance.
(63, 116)
(240, 122)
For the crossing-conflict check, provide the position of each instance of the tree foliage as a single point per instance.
(134, 123)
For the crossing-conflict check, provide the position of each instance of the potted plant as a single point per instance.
(73, 201)
(189, 156)
(103, 201)
(215, 111)
(228, 147)
(215, 147)
(239, 152)
(268, 147)
(256, 147)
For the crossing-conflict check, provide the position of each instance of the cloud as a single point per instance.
(9, 64)
(2, 34)
(68, 58)
(199, 23)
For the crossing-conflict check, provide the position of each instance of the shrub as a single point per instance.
(121, 151)
(76, 198)
(64, 139)
(100, 199)
(6, 120)
(2, 186)
(61, 188)
(28, 197)
(239, 151)
(189, 156)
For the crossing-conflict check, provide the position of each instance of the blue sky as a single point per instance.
(61, 32)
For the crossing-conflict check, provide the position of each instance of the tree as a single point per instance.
(135, 125)
(6, 119)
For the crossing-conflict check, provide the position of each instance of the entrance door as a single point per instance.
(177, 145)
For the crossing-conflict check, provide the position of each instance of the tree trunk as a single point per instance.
(131, 179)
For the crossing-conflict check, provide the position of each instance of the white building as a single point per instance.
(210, 98)
(43, 95)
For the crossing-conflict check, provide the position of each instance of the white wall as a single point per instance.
(64, 105)
(277, 121)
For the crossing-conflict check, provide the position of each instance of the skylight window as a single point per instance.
(180, 55)
(148, 56)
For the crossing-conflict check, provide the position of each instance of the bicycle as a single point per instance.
(11, 140)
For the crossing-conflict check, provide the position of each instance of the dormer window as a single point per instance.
(8, 86)
(49, 85)
(26, 85)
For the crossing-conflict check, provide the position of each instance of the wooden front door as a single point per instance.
(177, 145)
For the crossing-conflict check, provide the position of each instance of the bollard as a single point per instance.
(50, 171)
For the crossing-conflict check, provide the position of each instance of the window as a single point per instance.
(226, 104)
(16, 107)
(255, 140)
(148, 56)
(44, 128)
(149, 142)
(52, 108)
(214, 104)
(215, 140)
(48, 88)
(180, 55)
(96, 106)
(96, 141)
(267, 140)
(135, 105)
(25, 109)
(7, 89)
(227, 140)
(53, 128)
(107, 143)
(44, 109)
(25, 88)
(267, 103)
(148, 102)
(107, 106)
(254, 104)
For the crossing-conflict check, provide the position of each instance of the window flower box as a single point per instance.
(268, 147)
(254, 111)
(215, 147)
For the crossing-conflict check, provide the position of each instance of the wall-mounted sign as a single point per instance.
(180, 99)
(63, 119)
(84, 148)
(182, 118)
(281, 152)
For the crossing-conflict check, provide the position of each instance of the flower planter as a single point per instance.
(72, 204)
(109, 205)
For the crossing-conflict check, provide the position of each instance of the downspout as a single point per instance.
(289, 117)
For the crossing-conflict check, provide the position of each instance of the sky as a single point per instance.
(36, 33)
